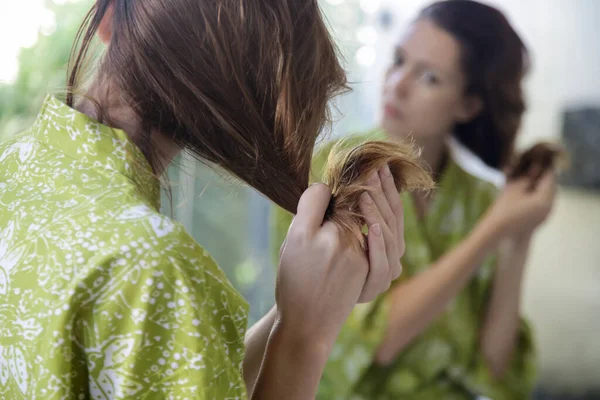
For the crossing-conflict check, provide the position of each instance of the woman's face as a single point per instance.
(423, 93)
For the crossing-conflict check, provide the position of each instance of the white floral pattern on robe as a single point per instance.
(101, 296)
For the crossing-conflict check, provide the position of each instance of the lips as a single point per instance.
(392, 112)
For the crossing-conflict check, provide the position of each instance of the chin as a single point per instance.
(395, 128)
(400, 130)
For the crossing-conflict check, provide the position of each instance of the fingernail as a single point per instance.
(374, 177)
(376, 229)
(366, 198)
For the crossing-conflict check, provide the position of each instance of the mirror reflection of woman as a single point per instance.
(450, 328)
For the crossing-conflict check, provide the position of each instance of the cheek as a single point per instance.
(387, 89)
(433, 113)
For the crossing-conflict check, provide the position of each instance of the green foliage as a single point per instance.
(42, 69)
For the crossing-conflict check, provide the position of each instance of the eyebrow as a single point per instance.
(423, 64)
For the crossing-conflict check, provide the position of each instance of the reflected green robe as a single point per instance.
(445, 361)
(101, 296)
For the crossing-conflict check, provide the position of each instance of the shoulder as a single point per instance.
(159, 245)
(159, 303)
(156, 262)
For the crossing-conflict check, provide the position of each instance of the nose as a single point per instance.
(399, 81)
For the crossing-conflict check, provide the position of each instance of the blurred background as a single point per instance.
(562, 291)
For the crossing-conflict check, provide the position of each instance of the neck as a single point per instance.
(433, 151)
(105, 96)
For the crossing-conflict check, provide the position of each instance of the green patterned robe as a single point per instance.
(444, 362)
(101, 296)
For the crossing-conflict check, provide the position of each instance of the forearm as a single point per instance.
(292, 367)
(417, 302)
(501, 323)
(256, 345)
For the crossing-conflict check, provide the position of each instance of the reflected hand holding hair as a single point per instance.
(528, 197)
(536, 161)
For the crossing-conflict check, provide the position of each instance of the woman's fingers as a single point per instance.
(380, 274)
(311, 209)
(547, 182)
(546, 188)
(384, 216)
(395, 202)
(381, 200)
(378, 279)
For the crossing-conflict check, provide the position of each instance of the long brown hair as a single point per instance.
(495, 60)
(244, 85)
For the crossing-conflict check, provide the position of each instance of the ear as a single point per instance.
(105, 27)
(471, 106)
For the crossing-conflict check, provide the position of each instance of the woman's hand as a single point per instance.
(523, 207)
(322, 276)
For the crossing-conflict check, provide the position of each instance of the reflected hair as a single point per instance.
(494, 61)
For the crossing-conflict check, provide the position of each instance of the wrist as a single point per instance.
(517, 242)
(300, 343)
(523, 239)
(490, 231)
(292, 366)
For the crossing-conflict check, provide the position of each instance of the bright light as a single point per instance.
(365, 56)
(48, 26)
(370, 6)
(336, 2)
(366, 35)
(21, 22)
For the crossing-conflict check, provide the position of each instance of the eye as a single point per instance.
(398, 60)
(429, 78)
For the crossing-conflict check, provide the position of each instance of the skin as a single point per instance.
(423, 99)
(321, 277)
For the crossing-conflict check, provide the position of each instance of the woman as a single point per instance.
(101, 296)
(449, 328)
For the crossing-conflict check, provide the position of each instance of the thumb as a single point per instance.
(312, 207)
(547, 184)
